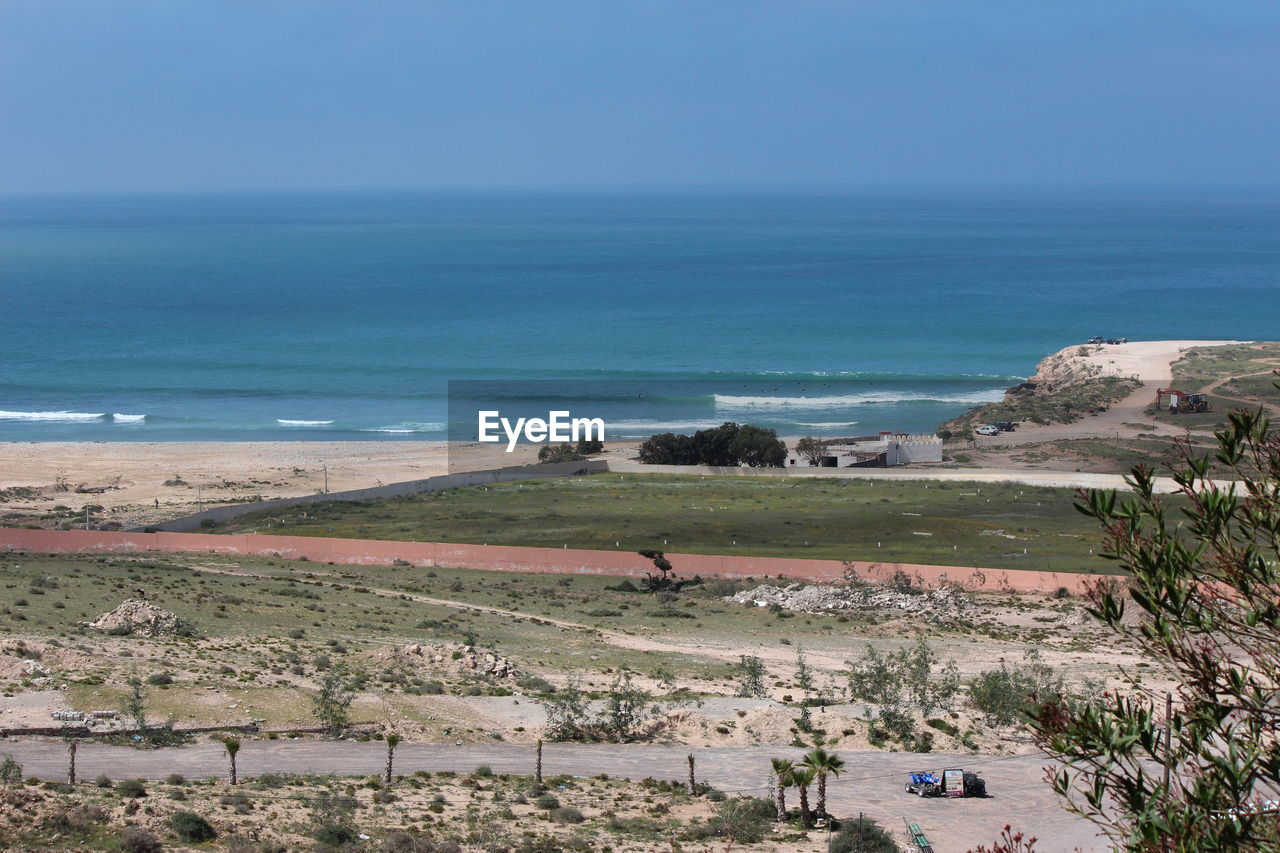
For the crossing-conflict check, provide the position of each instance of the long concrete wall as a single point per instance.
(505, 558)
(391, 490)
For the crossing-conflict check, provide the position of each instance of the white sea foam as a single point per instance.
(289, 423)
(408, 427)
(659, 426)
(55, 417)
(821, 424)
(726, 402)
(128, 419)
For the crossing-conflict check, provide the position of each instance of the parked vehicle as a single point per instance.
(987, 429)
(948, 783)
(1005, 426)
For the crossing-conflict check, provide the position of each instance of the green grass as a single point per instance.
(934, 523)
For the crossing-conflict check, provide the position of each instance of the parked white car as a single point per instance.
(987, 429)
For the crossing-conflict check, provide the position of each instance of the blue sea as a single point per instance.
(345, 316)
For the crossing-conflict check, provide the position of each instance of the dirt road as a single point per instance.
(871, 783)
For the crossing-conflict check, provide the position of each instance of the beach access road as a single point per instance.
(1053, 479)
(872, 782)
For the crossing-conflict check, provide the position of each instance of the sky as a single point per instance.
(235, 95)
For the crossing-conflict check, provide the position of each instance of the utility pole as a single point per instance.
(326, 479)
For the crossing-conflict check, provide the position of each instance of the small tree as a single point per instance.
(332, 701)
(757, 447)
(802, 777)
(135, 705)
(811, 450)
(232, 745)
(567, 712)
(823, 764)
(626, 708)
(752, 673)
(393, 740)
(10, 772)
(783, 775)
(666, 580)
(1203, 585)
(804, 675)
(72, 745)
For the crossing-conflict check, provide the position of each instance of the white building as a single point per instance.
(885, 450)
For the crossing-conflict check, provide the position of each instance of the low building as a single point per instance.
(886, 450)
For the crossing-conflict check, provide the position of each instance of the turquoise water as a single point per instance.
(344, 316)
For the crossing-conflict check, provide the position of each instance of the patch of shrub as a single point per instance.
(547, 802)
(136, 839)
(862, 836)
(566, 815)
(191, 827)
(132, 788)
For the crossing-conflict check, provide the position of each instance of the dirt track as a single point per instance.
(872, 781)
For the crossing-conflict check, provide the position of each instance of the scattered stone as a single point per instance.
(812, 598)
(465, 659)
(137, 617)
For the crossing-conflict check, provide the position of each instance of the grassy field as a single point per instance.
(986, 525)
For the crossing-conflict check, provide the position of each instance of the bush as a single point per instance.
(1004, 695)
(547, 801)
(103, 781)
(160, 679)
(189, 826)
(136, 839)
(567, 814)
(862, 836)
(483, 770)
(132, 788)
(175, 779)
(335, 834)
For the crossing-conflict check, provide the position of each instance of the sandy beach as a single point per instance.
(140, 482)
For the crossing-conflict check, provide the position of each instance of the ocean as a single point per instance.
(345, 316)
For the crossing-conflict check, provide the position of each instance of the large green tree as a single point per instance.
(1203, 602)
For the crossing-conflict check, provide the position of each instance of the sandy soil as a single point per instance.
(128, 478)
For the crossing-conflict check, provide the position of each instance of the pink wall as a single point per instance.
(505, 558)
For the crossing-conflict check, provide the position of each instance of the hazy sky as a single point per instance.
(284, 94)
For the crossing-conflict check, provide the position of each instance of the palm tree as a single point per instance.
(802, 777)
(393, 740)
(782, 771)
(72, 746)
(233, 746)
(823, 763)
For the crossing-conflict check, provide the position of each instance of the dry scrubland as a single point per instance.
(447, 656)
(444, 812)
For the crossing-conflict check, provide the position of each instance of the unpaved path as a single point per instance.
(871, 782)
(1271, 408)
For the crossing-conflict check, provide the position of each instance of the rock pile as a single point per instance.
(137, 617)
(465, 659)
(820, 599)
